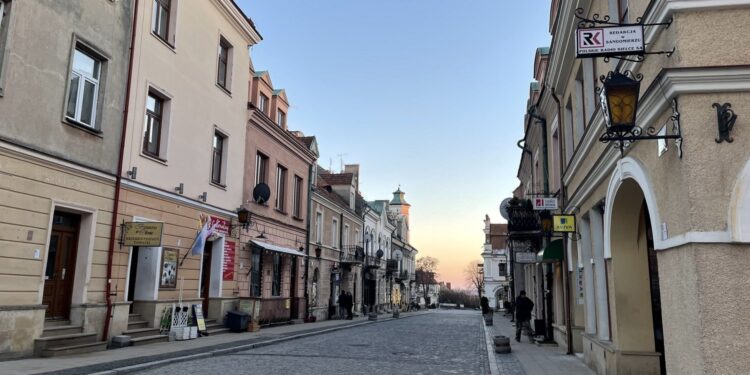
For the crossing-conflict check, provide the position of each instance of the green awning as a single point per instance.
(553, 252)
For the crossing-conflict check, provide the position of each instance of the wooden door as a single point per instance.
(60, 268)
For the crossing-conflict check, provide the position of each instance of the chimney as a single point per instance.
(353, 169)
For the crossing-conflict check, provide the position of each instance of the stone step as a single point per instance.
(61, 330)
(141, 332)
(56, 322)
(43, 343)
(133, 324)
(132, 317)
(217, 330)
(75, 349)
(145, 340)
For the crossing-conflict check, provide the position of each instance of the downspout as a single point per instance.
(307, 238)
(563, 200)
(526, 150)
(118, 180)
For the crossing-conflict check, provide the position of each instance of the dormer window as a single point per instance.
(281, 118)
(263, 103)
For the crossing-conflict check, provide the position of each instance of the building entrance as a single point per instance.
(60, 267)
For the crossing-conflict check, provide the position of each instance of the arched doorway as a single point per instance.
(635, 301)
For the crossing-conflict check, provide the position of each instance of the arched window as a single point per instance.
(314, 291)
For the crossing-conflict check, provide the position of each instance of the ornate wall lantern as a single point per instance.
(619, 97)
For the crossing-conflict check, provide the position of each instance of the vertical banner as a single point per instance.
(229, 253)
(579, 285)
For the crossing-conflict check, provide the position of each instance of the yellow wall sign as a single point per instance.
(564, 223)
(142, 234)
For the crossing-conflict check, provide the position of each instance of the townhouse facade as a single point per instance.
(495, 264)
(642, 286)
(336, 240)
(61, 100)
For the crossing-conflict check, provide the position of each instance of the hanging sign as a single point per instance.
(221, 226)
(526, 257)
(564, 223)
(147, 234)
(610, 41)
(545, 204)
(228, 266)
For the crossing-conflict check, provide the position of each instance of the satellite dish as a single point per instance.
(397, 254)
(261, 193)
(379, 253)
(504, 208)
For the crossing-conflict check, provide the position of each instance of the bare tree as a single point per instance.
(425, 274)
(474, 275)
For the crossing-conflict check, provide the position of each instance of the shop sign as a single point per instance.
(610, 41)
(198, 317)
(221, 226)
(168, 268)
(229, 254)
(146, 234)
(541, 204)
(526, 257)
(579, 285)
(564, 223)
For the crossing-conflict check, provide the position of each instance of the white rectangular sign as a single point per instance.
(610, 41)
(545, 203)
(526, 257)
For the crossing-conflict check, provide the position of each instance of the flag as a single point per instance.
(200, 239)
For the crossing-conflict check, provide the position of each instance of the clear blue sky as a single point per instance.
(429, 94)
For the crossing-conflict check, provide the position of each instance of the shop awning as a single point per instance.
(278, 249)
(552, 253)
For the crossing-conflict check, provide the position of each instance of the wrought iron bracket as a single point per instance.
(624, 139)
(596, 19)
(726, 118)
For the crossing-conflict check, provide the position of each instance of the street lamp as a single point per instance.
(619, 98)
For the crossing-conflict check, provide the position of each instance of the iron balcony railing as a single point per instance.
(352, 254)
(523, 219)
(372, 261)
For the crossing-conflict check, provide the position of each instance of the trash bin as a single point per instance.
(237, 321)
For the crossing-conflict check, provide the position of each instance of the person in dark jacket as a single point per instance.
(523, 315)
(349, 306)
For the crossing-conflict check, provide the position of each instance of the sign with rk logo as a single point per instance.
(592, 38)
(610, 41)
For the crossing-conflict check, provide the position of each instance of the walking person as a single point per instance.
(523, 308)
(349, 306)
(342, 304)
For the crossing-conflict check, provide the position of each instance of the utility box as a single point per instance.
(237, 321)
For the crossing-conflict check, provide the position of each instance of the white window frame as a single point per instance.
(334, 233)
(280, 117)
(83, 77)
(346, 235)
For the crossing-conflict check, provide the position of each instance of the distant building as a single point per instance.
(495, 255)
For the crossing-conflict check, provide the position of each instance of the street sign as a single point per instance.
(541, 204)
(610, 41)
(526, 257)
(147, 234)
(564, 223)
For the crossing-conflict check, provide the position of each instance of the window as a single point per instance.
(223, 76)
(319, 227)
(356, 236)
(261, 169)
(280, 188)
(501, 270)
(255, 273)
(346, 235)
(276, 284)
(568, 131)
(84, 88)
(217, 163)
(281, 118)
(4, 26)
(153, 128)
(160, 20)
(263, 103)
(335, 233)
(579, 120)
(297, 203)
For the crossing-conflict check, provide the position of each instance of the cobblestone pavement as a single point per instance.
(444, 342)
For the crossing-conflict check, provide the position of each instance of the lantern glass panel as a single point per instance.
(622, 106)
(243, 216)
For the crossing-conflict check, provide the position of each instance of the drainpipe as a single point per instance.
(118, 180)
(563, 199)
(307, 237)
(526, 150)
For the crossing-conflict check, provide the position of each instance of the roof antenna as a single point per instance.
(341, 160)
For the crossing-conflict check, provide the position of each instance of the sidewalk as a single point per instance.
(130, 359)
(535, 360)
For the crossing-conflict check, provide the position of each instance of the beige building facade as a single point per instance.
(62, 88)
(662, 231)
(182, 158)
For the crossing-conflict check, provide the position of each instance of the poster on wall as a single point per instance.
(229, 252)
(168, 268)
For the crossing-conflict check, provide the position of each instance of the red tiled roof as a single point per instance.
(498, 229)
(338, 178)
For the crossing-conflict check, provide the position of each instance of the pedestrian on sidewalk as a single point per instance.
(523, 315)
(349, 305)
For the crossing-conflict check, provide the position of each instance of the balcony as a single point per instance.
(391, 266)
(372, 262)
(352, 255)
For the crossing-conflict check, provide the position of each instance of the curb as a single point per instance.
(234, 349)
(494, 370)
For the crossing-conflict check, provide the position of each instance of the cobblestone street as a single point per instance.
(444, 342)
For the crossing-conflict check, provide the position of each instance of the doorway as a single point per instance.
(132, 275)
(206, 274)
(59, 272)
(653, 274)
